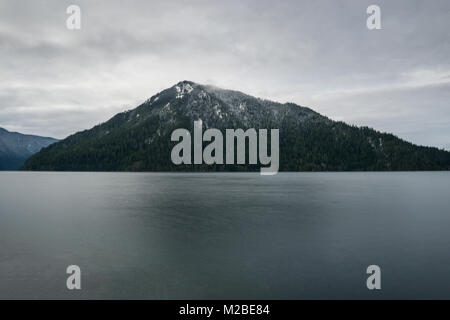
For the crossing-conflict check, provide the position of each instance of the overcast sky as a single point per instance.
(320, 54)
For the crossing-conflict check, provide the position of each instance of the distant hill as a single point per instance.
(15, 148)
(139, 139)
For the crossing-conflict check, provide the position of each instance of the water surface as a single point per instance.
(224, 235)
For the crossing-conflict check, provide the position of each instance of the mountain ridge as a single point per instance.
(16, 147)
(139, 139)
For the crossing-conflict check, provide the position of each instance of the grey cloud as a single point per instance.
(315, 53)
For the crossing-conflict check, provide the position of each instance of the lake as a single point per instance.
(225, 235)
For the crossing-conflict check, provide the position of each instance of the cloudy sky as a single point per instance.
(55, 81)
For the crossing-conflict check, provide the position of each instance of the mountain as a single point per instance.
(15, 148)
(139, 139)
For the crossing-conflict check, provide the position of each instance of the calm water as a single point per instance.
(212, 236)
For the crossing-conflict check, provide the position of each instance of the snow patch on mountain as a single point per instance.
(182, 89)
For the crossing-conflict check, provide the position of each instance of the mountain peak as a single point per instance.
(185, 82)
(184, 87)
(140, 139)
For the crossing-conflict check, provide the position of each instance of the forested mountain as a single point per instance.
(139, 139)
(15, 148)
